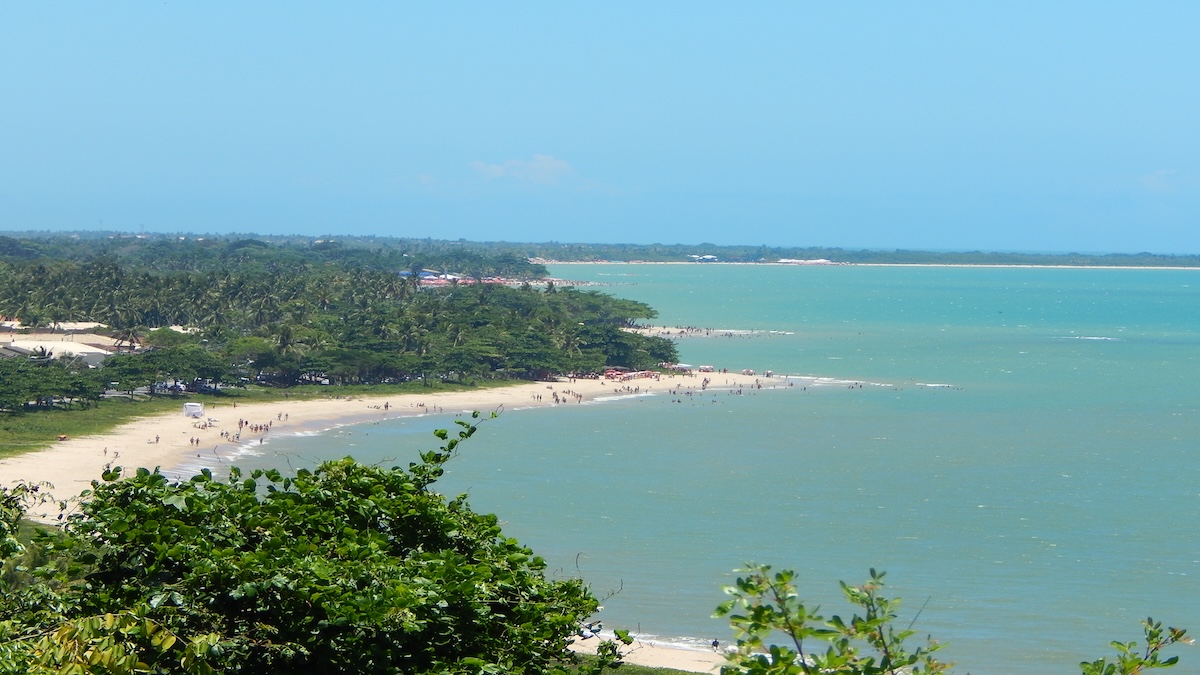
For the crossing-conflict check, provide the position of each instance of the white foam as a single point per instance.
(687, 643)
(619, 397)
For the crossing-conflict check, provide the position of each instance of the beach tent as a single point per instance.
(193, 409)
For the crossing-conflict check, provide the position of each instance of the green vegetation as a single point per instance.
(356, 569)
(764, 607)
(510, 259)
(286, 315)
(348, 568)
(343, 326)
(754, 254)
(253, 253)
(23, 432)
(343, 569)
(40, 383)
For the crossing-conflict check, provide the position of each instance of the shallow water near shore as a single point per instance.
(1017, 450)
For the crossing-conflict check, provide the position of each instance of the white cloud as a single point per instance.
(1163, 180)
(542, 169)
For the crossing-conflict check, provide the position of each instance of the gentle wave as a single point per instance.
(622, 397)
(688, 643)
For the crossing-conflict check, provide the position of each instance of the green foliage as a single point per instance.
(16, 248)
(867, 643)
(114, 644)
(286, 319)
(762, 253)
(166, 337)
(185, 363)
(22, 433)
(764, 606)
(1132, 659)
(165, 252)
(346, 568)
(31, 384)
(13, 503)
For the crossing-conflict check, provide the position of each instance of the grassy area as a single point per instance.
(35, 430)
(30, 431)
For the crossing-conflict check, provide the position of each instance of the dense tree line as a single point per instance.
(506, 258)
(333, 322)
(763, 253)
(42, 383)
(247, 253)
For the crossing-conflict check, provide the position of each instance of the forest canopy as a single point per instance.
(281, 315)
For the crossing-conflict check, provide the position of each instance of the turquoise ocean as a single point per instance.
(1021, 457)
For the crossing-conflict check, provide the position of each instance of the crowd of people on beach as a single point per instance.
(682, 385)
(559, 397)
(678, 332)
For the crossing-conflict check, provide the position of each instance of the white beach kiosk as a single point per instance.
(193, 409)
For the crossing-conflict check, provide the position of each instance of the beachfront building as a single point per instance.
(91, 354)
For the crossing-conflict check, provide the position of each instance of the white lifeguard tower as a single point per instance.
(193, 409)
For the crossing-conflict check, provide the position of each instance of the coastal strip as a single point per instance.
(657, 655)
(170, 440)
(834, 263)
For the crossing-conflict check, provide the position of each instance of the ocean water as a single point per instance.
(1017, 448)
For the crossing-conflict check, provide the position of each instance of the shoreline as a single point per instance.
(858, 264)
(169, 440)
(659, 655)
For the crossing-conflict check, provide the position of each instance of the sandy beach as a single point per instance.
(169, 439)
(656, 655)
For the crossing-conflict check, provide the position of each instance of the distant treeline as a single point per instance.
(748, 254)
(509, 259)
(250, 253)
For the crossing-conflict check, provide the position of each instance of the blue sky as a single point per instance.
(1066, 126)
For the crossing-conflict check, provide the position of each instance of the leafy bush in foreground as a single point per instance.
(345, 569)
(764, 606)
(358, 569)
